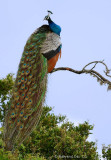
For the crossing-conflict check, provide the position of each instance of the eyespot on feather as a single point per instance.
(27, 72)
(21, 113)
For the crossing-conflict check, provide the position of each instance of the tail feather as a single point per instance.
(28, 93)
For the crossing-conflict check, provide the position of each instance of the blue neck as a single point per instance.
(54, 27)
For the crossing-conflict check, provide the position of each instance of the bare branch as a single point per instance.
(91, 71)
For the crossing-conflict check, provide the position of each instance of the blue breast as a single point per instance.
(55, 28)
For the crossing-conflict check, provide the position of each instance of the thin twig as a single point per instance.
(95, 63)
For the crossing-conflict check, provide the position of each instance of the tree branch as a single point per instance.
(91, 71)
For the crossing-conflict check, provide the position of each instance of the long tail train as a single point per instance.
(28, 93)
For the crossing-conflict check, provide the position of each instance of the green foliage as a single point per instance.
(56, 138)
(106, 151)
(6, 85)
(16, 155)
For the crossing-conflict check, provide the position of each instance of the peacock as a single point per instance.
(39, 57)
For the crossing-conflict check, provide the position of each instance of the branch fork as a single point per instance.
(100, 78)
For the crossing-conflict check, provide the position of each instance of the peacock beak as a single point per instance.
(46, 17)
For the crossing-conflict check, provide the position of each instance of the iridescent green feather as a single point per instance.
(28, 93)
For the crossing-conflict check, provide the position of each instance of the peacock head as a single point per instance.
(48, 16)
(53, 26)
